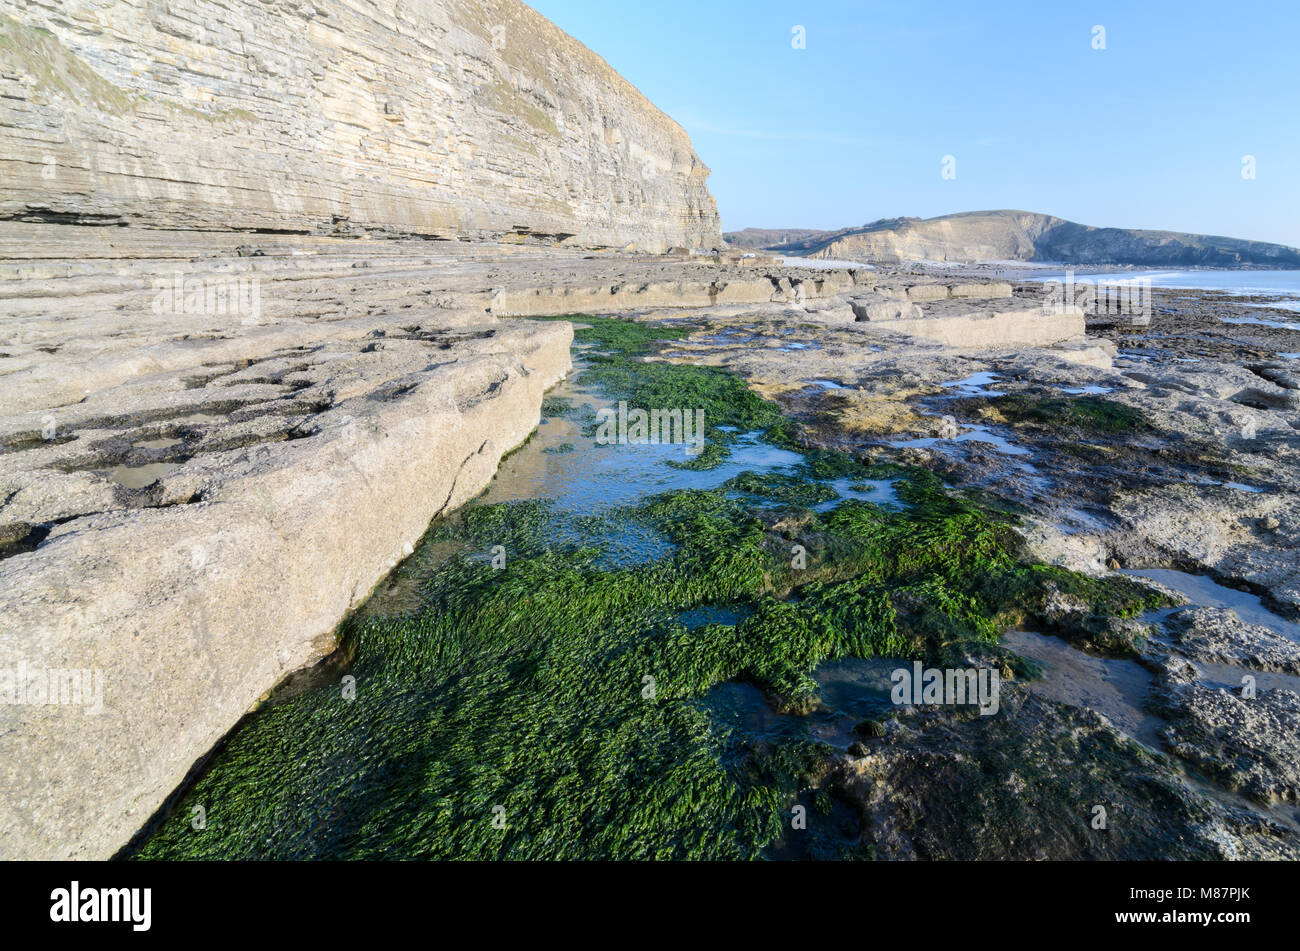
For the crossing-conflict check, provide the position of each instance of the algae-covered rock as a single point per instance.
(1037, 780)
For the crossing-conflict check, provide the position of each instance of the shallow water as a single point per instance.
(730, 614)
(1262, 322)
(1205, 592)
(877, 491)
(595, 478)
(977, 384)
(972, 434)
(1236, 486)
(1114, 687)
(137, 477)
(791, 347)
(729, 337)
(165, 443)
(852, 690)
(1228, 676)
(590, 478)
(858, 687)
(1090, 390)
(399, 593)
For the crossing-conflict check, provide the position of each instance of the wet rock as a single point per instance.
(870, 728)
(1216, 528)
(787, 524)
(1037, 780)
(1219, 635)
(1076, 620)
(1247, 742)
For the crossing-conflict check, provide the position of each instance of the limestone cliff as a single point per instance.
(1017, 236)
(472, 119)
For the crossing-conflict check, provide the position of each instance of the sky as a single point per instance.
(1150, 132)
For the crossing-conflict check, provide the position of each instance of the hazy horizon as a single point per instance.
(855, 126)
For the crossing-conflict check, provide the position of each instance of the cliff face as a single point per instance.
(1018, 236)
(975, 236)
(476, 119)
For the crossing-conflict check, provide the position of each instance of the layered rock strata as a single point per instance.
(444, 118)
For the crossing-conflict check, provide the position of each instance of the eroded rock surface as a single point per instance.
(1038, 780)
(1245, 738)
(192, 501)
(1219, 635)
(446, 118)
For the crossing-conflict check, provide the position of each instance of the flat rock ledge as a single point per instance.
(193, 527)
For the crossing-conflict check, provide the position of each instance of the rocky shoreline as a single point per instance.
(1176, 450)
(1099, 450)
(210, 425)
(309, 546)
(263, 467)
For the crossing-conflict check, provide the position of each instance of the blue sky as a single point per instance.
(1149, 132)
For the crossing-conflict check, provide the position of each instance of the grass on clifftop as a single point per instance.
(552, 708)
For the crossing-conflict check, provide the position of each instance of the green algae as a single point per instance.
(553, 406)
(619, 367)
(537, 704)
(1084, 414)
(711, 456)
(783, 488)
